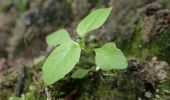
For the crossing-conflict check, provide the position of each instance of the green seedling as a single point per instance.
(67, 53)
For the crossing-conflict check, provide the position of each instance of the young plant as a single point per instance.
(67, 53)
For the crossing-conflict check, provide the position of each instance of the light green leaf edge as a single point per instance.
(93, 21)
(58, 37)
(80, 73)
(109, 57)
(60, 62)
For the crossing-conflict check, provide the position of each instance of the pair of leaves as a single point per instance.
(64, 57)
(107, 57)
(89, 23)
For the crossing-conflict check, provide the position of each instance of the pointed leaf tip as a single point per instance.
(58, 37)
(93, 21)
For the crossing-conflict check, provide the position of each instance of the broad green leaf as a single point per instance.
(110, 57)
(80, 73)
(60, 62)
(93, 21)
(58, 37)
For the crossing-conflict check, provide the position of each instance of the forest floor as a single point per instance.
(140, 28)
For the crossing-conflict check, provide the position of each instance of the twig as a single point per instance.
(20, 83)
(48, 93)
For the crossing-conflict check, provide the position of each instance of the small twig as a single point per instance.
(48, 93)
(20, 83)
(107, 74)
(71, 95)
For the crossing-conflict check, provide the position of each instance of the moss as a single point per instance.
(134, 46)
(104, 93)
(160, 45)
(7, 84)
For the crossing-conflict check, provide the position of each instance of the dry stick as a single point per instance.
(48, 93)
(20, 83)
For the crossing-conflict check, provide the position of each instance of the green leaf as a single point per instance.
(110, 57)
(80, 73)
(60, 62)
(93, 21)
(58, 37)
